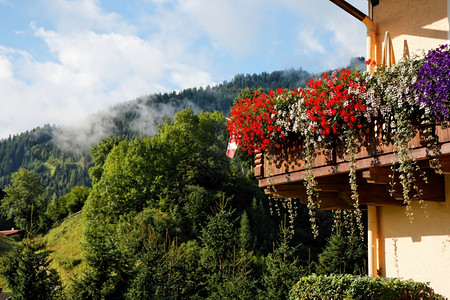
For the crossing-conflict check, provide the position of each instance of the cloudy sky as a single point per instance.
(61, 60)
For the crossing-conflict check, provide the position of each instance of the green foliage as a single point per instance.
(345, 252)
(245, 233)
(6, 244)
(34, 150)
(263, 226)
(64, 241)
(74, 201)
(153, 228)
(193, 274)
(99, 152)
(218, 235)
(28, 274)
(359, 287)
(108, 270)
(155, 257)
(282, 268)
(66, 205)
(26, 198)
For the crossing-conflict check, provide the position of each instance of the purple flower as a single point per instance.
(433, 84)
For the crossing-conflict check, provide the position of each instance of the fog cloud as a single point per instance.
(80, 136)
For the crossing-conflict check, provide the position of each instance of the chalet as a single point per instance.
(397, 247)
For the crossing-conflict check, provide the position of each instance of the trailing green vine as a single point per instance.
(313, 201)
(351, 150)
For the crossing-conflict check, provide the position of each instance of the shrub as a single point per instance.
(348, 287)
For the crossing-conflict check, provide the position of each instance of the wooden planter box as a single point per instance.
(283, 171)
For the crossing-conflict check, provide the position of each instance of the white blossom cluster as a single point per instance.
(290, 118)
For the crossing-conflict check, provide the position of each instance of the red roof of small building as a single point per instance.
(9, 232)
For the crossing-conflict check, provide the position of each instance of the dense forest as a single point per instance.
(165, 214)
(171, 217)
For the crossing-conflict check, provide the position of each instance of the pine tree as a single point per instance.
(245, 233)
(283, 268)
(28, 273)
(345, 252)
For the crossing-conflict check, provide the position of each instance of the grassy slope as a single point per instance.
(64, 240)
(6, 245)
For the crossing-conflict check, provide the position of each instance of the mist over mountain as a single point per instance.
(61, 154)
(140, 117)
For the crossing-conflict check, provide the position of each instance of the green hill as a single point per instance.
(60, 155)
(64, 240)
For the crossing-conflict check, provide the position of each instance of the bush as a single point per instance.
(348, 287)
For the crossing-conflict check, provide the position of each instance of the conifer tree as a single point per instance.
(28, 273)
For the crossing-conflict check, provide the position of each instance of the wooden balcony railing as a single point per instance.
(282, 172)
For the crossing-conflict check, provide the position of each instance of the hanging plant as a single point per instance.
(433, 89)
(335, 112)
(433, 83)
(313, 201)
(401, 111)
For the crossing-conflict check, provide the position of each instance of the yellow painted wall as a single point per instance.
(423, 23)
(419, 250)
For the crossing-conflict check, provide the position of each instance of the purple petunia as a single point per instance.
(433, 84)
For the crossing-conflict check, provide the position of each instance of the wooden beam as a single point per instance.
(258, 171)
(362, 164)
(432, 190)
(378, 175)
(373, 194)
(444, 160)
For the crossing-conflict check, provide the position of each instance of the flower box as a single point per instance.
(375, 130)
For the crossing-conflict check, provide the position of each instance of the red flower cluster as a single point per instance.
(370, 62)
(252, 122)
(333, 103)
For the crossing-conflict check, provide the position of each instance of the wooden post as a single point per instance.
(372, 238)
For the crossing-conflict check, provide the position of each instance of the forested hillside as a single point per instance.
(165, 214)
(61, 155)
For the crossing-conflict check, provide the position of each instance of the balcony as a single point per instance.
(377, 136)
(282, 173)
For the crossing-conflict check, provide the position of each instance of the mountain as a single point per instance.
(61, 155)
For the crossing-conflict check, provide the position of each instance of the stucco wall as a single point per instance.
(423, 23)
(419, 250)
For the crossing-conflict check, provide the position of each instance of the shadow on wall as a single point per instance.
(424, 19)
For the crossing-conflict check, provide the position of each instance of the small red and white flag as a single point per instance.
(232, 146)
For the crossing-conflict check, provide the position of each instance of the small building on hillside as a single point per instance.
(397, 247)
(15, 234)
(10, 232)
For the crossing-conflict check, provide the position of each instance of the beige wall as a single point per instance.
(419, 250)
(423, 23)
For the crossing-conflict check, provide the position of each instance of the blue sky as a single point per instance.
(62, 60)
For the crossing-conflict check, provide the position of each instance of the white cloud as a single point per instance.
(73, 16)
(99, 58)
(229, 24)
(90, 71)
(328, 36)
(187, 77)
(309, 39)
